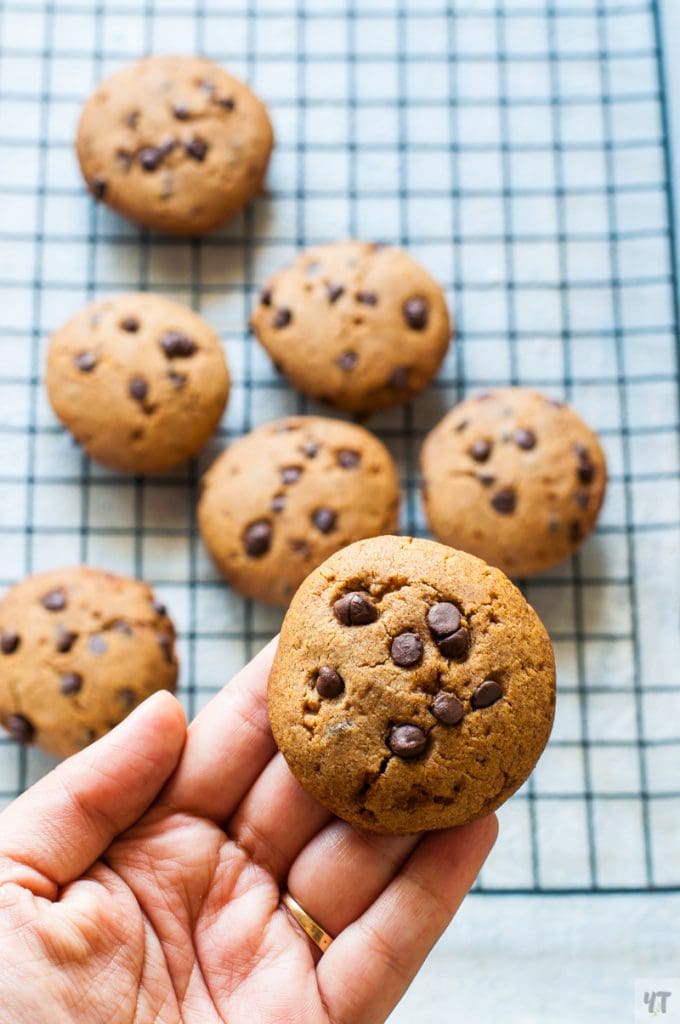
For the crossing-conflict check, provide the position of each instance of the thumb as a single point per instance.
(53, 832)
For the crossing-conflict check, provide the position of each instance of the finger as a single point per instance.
(61, 825)
(343, 869)
(228, 745)
(372, 962)
(277, 818)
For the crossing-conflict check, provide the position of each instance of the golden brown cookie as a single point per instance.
(413, 686)
(514, 477)
(175, 143)
(79, 649)
(140, 381)
(359, 326)
(283, 498)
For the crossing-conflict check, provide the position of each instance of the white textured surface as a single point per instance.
(545, 218)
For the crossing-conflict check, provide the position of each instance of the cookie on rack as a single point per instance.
(413, 686)
(140, 381)
(281, 499)
(359, 326)
(174, 143)
(514, 477)
(79, 649)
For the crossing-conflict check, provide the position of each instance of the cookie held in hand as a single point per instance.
(413, 686)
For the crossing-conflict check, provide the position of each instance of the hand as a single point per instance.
(125, 897)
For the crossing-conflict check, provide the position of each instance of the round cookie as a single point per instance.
(358, 326)
(413, 686)
(514, 477)
(282, 499)
(79, 649)
(174, 143)
(140, 381)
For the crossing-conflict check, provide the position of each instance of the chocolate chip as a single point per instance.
(64, 639)
(132, 119)
(301, 547)
(486, 479)
(367, 298)
(480, 450)
(504, 501)
(582, 499)
(347, 360)
(138, 389)
(348, 458)
(71, 682)
(266, 297)
(121, 626)
(9, 641)
(20, 728)
(406, 649)
(196, 148)
(525, 439)
(177, 345)
(355, 609)
(124, 159)
(130, 324)
(178, 380)
(227, 103)
(289, 474)
(407, 741)
(443, 619)
(329, 683)
(575, 531)
(181, 111)
(165, 644)
(398, 379)
(416, 310)
(97, 644)
(447, 709)
(282, 317)
(278, 503)
(486, 694)
(457, 645)
(127, 697)
(54, 600)
(257, 538)
(98, 186)
(85, 361)
(586, 471)
(324, 519)
(311, 450)
(334, 292)
(150, 158)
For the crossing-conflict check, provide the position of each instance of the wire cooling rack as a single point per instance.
(518, 148)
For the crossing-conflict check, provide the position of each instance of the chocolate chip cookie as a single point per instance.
(140, 381)
(175, 143)
(358, 326)
(283, 498)
(79, 648)
(514, 477)
(413, 686)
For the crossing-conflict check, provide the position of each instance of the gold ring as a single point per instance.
(316, 933)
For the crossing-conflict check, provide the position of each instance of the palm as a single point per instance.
(179, 919)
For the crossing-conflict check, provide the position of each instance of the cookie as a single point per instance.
(140, 381)
(79, 649)
(514, 477)
(413, 686)
(174, 143)
(281, 499)
(359, 326)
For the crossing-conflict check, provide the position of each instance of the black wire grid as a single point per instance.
(520, 150)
